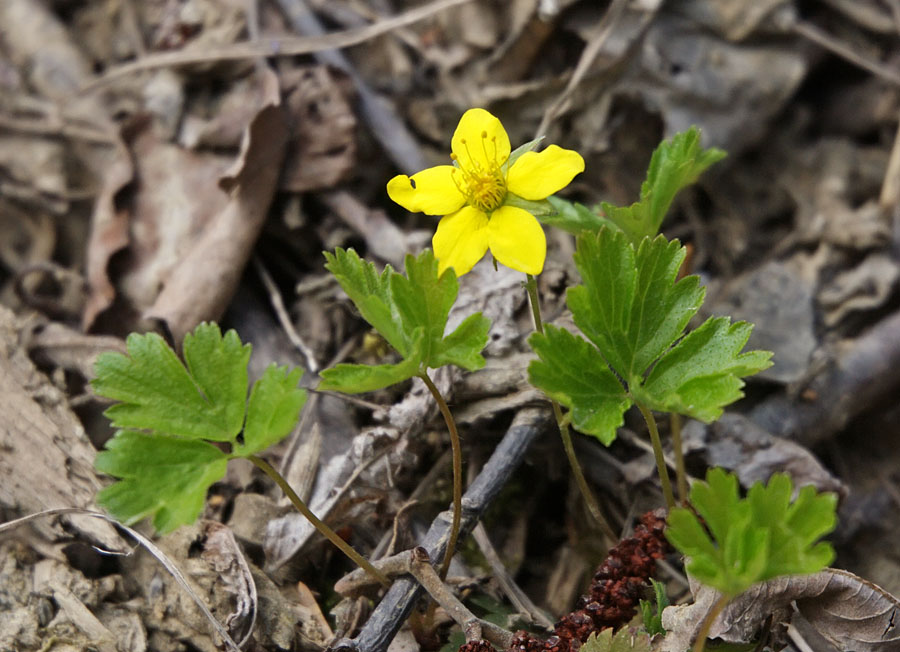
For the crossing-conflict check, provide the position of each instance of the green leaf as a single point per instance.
(702, 374)
(166, 469)
(623, 640)
(753, 539)
(630, 305)
(358, 378)
(675, 164)
(273, 409)
(521, 149)
(219, 367)
(162, 476)
(572, 372)
(423, 300)
(463, 346)
(651, 610)
(634, 311)
(541, 208)
(158, 393)
(574, 217)
(411, 310)
(370, 293)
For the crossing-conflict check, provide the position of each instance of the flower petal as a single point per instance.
(517, 240)
(480, 142)
(461, 240)
(431, 191)
(537, 175)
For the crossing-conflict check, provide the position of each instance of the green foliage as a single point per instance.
(623, 640)
(633, 313)
(410, 312)
(752, 539)
(168, 413)
(651, 610)
(675, 164)
(574, 217)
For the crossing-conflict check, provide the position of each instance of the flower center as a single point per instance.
(482, 179)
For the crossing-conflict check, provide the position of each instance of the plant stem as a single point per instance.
(658, 454)
(700, 643)
(326, 531)
(680, 472)
(456, 448)
(586, 493)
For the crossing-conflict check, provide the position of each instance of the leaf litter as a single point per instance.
(118, 122)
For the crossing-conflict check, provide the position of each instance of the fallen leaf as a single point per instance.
(223, 554)
(322, 147)
(202, 282)
(849, 612)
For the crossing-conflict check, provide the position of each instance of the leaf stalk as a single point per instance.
(562, 423)
(680, 471)
(700, 642)
(320, 525)
(456, 448)
(658, 454)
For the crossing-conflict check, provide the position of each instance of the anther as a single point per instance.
(484, 134)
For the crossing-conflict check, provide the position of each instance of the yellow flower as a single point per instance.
(473, 196)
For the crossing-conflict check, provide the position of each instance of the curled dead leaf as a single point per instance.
(848, 611)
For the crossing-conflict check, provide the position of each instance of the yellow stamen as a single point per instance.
(484, 188)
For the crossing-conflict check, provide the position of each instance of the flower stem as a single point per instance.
(680, 472)
(562, 424)
(658, 454)
(326, 531)
(700, 643)
(456, 448)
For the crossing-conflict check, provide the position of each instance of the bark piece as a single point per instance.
(46, 459)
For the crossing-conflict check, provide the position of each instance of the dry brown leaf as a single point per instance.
(852, 613)
(221, 551)
(202, 283)
(322, 147)
(736, 443)
(777, 299)
(848, 611)
(109, 235)
(868, 286)
(58, 346)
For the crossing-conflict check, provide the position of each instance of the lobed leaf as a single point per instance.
(573, 372)
(463, 346)
(423, 300)
(358, 378)
(370, 293)
(702, 373)
(651, 611)
(157, 393)
(754, 539)
(676, 163)
(633, 309)
(412, 310)
(574, 217)
(623, 640)
(161, 476)
(273, 409)
(630, 305)
(218, 364)
(166, 469)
